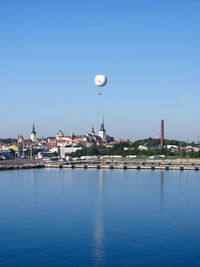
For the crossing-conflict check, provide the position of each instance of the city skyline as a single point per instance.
(149, 52)
(97, 130)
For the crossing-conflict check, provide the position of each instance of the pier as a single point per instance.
(139, 165)
(19, 164)
(184, 165)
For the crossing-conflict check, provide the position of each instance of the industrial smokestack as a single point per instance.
(162, 135)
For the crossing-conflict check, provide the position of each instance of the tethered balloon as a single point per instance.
(100, 81)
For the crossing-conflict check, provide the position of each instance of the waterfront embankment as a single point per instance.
(166, 164)
(17, 164)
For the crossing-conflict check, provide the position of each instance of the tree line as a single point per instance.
(132, 149)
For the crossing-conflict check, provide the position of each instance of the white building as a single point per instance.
(59, 135)
(69, 149)
(142, 147)
(54, 149)
(20, 139)
(172, 147)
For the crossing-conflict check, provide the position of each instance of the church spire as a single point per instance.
(93, 133)
(102, 131)
(102, 123)
(33, 134)
(33, 131)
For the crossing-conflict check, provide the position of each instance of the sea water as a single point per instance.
(71, 217)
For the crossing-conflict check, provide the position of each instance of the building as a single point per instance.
(148, 147)
(20, 139)
(173, 147)
(59, 135)
(93, 132)
(102, 131)
(143, 147)
(33, 134)
(109, 139)
(125, 141)
(51, 140)
(80, 139)
(69, 149)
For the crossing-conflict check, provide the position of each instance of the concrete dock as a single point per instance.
(18, 164)
(127, 165)
(185, 164)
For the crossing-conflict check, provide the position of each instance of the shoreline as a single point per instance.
(167, 164)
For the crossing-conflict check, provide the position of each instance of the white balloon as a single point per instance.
(100, 80)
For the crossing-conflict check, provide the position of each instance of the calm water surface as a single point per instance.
(99, 218)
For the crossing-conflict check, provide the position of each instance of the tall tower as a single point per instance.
(93, 132)
(162, 135)
(102, 131)
(33, 134)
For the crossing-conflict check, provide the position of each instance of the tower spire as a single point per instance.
(102, 123)
(33, 131)
(93, 130)
(33, 134)
(102, 119)
(102, 131)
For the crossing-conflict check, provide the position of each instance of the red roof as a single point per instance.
(124, 141)
(50, 145)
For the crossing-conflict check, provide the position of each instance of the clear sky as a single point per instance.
(50, 52)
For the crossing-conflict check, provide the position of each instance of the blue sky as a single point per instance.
(50, 52)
